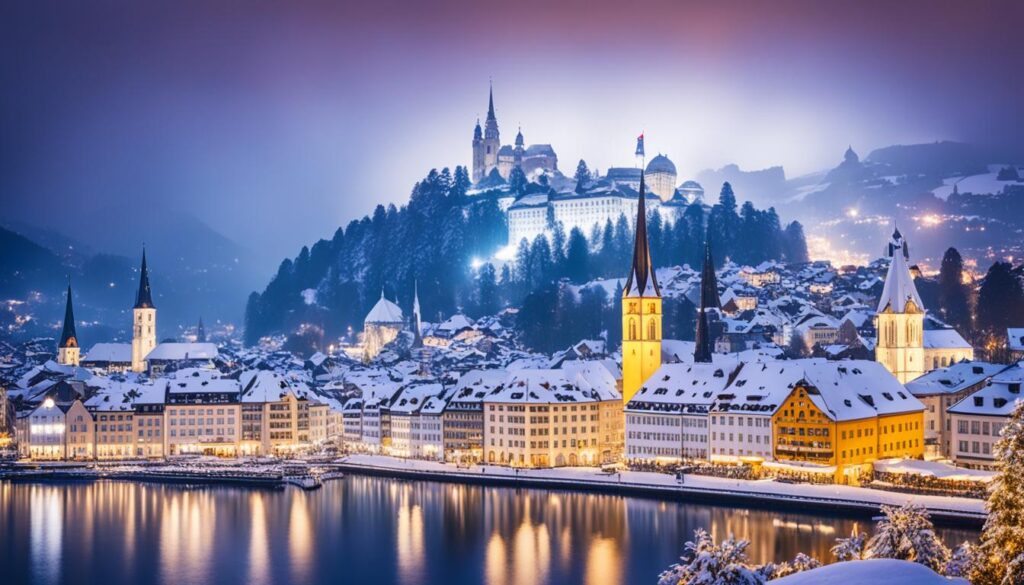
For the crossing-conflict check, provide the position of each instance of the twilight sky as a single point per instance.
(275, 123)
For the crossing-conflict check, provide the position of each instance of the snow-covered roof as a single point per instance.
(550, 386)
(412, 397)
(953, 379)
(899, 284)
(475, 384)
(682, 388)
(197, 381)
(869, 572)
(455, 323)
(997, 398)
(172, 351)
(759, 388)
(121, 395)
(944, 339)
(856, 389)
(1015, 336)
(268, 386)
(109, 352)
(384, 312)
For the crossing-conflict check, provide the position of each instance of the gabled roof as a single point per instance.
(109, 353)
(173, 351)
(384, 312)
(953, 379)
(998, 398)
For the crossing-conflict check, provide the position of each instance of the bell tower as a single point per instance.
(900, 317)
(641, 311)
(68, 350)
(143, 321)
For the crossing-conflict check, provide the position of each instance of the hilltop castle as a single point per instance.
(489, 156)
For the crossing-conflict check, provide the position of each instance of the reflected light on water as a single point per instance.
(496, 562)
(259, 552)
(409, 543)
(47, 531)
(604, 563)
(300, 537)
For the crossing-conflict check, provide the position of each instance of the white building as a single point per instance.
(741, 417)
(977, 419)
(667, 419)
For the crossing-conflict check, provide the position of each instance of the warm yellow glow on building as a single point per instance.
(641, 342)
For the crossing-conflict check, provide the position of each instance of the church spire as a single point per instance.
(899, 288)
(200, 331)
(642, 281)
(68, 336)
(490, 103)
(417, 333)
(708, 300)
(491, 127)
(144, 298)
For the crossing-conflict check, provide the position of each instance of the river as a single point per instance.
(372, 530)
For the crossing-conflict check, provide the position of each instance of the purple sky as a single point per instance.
(306, 117)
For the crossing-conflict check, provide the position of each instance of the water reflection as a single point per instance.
(370, 530)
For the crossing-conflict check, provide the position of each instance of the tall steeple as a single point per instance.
(200, 331)
(144, 298)
(708, 300)
(491, 128)
(143, 320)
(642, 281)
(68, 336)
(900, 317)
(416, 329)
(68, 351)
(641, 310)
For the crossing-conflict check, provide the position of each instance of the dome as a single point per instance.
(691, 185)
(661, 164)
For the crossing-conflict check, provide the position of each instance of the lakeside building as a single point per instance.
(60, 428)
(203, 414)
(463, 418)
(939, 390)
(275, 414)
(977, 420)
(548, 418)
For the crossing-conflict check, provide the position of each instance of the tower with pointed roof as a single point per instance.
(900, 317)
(68, 350)
(641, 311)
(708, 300)
(143, 320)
(486, 143)
(417, 331)
(200, 332)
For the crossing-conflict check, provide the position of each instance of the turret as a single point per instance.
(640, 151)
(68, 350)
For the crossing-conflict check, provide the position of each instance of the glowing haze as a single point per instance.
(276, 125)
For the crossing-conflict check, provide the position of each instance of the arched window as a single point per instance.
(652, 330)
(632, 330)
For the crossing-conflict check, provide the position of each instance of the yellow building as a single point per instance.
(847, 414)
(641, 312)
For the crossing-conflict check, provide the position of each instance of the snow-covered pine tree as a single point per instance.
(705, 563)
(906, 533)
(1001, 554)
(962, 561)
(850, 548)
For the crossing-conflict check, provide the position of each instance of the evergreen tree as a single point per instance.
(582, 176)
(517, 181)
(487, 300)
(693, 249)
(1000, 558)
(523, 262)
(577, 260)
(795, 244)
(952, 293)
(850, 548)
(253, 320)
(797, 347)
(906, 533)
(963, 561)
(1000, 304)
(541, 267)
(558, 247)
(705, 563)
(656, 235)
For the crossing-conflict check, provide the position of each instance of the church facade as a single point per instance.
(489, 155)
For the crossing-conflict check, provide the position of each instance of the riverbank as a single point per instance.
(241, 475)
(835, 499)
